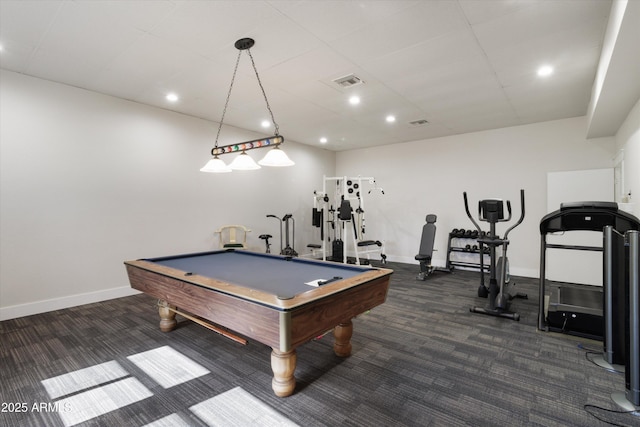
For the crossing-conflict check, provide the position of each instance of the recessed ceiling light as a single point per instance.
(354, 100)
(545, 70)
(323, 140)
(390, 118)
(265, 123)
(171, 97)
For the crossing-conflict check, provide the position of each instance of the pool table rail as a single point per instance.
(314, 319)
(260, 297)
(244, 317)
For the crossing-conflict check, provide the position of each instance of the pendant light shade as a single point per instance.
(276, 157)
(244, 163)
(215, 165)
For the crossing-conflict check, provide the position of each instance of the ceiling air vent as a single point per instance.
(348, 81)
(418, 122)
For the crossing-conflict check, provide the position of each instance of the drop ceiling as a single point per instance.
(460, 65)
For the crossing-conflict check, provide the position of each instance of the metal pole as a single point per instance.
(630, 400)
(613, 282)
(607, 283)
(542, 321)
(633, 392)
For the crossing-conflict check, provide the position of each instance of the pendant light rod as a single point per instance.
(249, 145)
(264, 94)
(226, 102)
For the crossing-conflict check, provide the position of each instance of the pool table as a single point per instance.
(279, 301)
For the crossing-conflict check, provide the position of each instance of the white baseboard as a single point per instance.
(401, 259)
(411, 260)
(514, 271)
(524, 272)
(43, 306)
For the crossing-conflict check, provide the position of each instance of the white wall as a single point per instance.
(88, 181)
(430, 176)
(628, 139)
(584, 267)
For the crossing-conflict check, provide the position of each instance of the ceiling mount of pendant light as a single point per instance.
(274, 157)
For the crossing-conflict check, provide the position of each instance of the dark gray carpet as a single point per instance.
(421, 359)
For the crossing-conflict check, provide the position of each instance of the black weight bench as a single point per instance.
(369, 243)
(378, 243)
(426, 247)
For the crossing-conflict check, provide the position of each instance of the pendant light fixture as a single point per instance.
(244, 163)
(274, 157)
(215, 165)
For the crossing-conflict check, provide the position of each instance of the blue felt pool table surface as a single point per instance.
(274, 274)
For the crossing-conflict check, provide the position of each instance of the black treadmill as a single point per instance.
(573, 308)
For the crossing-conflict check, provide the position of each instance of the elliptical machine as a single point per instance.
(492, 211)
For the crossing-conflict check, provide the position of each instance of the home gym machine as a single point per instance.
(286, 221)
(492, 211)
(338, 209)
(577, 309)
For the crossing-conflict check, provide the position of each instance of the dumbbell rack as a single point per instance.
(466, 241)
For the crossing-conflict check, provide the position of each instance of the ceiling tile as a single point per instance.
(414, 25)
(463, 65)
(329, 19)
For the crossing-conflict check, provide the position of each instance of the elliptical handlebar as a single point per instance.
(521, 214)
(466, 208)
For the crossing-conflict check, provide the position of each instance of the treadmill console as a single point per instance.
(609, 206)
(590, 216)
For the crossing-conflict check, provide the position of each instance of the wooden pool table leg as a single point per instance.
(283, 365)
(342, 334)
(167, 316)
